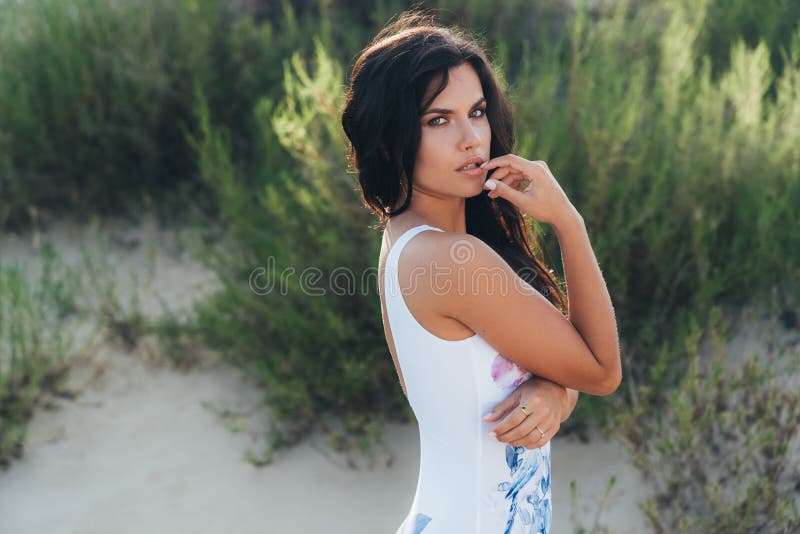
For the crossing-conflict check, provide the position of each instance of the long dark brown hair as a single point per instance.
(381, 118)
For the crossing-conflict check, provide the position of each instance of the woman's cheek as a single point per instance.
(487, 133)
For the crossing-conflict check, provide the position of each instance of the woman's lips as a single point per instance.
(477, 171)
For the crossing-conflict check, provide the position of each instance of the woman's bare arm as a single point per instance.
(486, 295)
(570, 401)
(590, 307)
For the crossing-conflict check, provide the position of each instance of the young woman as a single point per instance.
(470, 314)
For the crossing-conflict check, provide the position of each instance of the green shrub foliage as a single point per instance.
(97, 97)
(36, 342)
(300, 306)
(687, 179)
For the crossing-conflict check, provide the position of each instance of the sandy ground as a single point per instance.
(144, 449)
(148, 449)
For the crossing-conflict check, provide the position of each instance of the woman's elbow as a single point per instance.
(611, 383)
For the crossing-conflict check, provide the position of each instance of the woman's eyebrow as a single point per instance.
(443, 111)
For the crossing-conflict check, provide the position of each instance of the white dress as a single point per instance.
(468, 482)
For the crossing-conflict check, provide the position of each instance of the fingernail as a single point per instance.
(493, 435)
(489, 184)
(488, 416)
(484, 164)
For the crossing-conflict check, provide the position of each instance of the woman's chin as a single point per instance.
(479, 190)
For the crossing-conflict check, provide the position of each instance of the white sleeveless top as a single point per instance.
(468, 482)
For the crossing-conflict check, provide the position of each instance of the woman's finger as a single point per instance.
(516, 416)
(510, 160)
(520, 432)
(545, 420)
(540, 416)
(511, 181)
(536, 440)
(509, 176)
(499, 188)
(502, 171)
(525, 428)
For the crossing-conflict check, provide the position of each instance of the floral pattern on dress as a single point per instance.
(506, 374)
(528, 492)
(420, 522)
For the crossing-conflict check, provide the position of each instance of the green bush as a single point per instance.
(728, 21)
(688, 184)
(97, 96)
(93, 98)
(716, 447)
(315, 342)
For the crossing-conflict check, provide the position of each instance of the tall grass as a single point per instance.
(688, 183)
(53, 315)
(92, 98)
(36, 341)
(716, 448)
(300, 308)
(97, 97)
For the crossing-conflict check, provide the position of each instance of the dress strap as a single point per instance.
(400, 317)
(393, 259)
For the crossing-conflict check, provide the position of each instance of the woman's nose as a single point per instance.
(470, 136)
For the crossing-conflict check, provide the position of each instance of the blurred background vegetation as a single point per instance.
(674, 127)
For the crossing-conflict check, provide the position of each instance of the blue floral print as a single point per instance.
(420, 522)
(529, 503)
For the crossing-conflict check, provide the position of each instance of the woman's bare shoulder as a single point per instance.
(456, 247)
(436, 253)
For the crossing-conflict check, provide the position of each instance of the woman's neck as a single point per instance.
(448, 215)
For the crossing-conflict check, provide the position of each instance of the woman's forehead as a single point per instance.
(463, 89)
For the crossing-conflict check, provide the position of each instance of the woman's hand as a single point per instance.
(544, 401)
(542, 197)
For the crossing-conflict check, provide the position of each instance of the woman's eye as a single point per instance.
(432, 123)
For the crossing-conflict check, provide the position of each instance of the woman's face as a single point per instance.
(454, 129)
